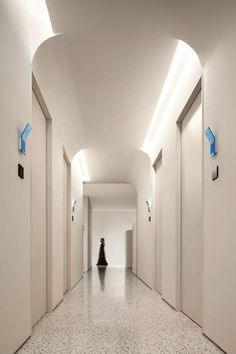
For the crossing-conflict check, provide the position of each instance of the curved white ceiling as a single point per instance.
(102, 78)
(107, 196)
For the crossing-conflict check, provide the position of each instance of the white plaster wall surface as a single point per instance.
(76, 225)
(55, 222)
(15, 88)
(90, 225)
(15, 103)
(51, 71)
(219, 226)
(56, 144)
(134, 245)
(57, 218)
(219, 311)
(169, 231)
(85, 233)
(112, 225)
(142, 176)
(38, 212)
(219, 203)
(54, 216)
(129, 248)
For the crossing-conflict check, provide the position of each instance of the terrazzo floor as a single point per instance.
(112, 311)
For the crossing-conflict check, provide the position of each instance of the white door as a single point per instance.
(158, 229)
(134, 250)
(85, 232)
(129, 248)
(38, 212)
(192, 243)
(65, 226)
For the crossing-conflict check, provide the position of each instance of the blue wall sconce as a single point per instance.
(148, 206)
(212, 141)
(73, 206)
(149, 209)
(73, 209)
(23, 138)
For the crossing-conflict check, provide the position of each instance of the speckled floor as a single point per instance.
(112, 312)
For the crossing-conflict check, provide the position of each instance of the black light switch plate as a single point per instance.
(21, 171)
(215, 173)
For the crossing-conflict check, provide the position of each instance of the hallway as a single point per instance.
(112, 311)
(118, 132)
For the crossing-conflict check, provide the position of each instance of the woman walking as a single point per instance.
(102, 258)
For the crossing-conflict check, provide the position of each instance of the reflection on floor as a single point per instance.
(112, 311)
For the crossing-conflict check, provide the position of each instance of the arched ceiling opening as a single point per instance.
(102, 79)
(111, 196)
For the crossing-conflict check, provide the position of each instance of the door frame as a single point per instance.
(39, 97)
(155, 166)
(69, 215)
(137, 234)
(43, 106)
(49, 122)
(196, 91)
(34, 93)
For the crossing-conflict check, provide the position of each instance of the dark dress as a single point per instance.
(102, 258)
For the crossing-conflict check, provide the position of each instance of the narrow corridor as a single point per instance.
(112, 311)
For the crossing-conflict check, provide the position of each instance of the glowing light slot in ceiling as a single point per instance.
(40, 24)
(83, 166)
(39, 10)
(184, 60)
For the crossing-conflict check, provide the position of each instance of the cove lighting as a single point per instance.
(39, 11)
(40, 24)
(83, 166)
(183, 58)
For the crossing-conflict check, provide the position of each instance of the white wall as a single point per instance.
(76, 238)
(129, 248)
(38, 212)
(90, 226)
(55, 150)
(219, 227)
(112, 225)
(142, 176)
(219, 284)
(57, 145)
(219, 202)
(87, 234)
(15, 98)
(55, 217)
(15, 257)
(134, 245)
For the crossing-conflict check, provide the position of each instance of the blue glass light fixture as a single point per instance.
(23, 138)
(212, 141)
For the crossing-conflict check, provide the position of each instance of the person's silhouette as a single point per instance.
(102, 258)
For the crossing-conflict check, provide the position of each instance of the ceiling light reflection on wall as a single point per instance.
(39, 10)
(40, 24)
(183, 58)
(83, 166)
